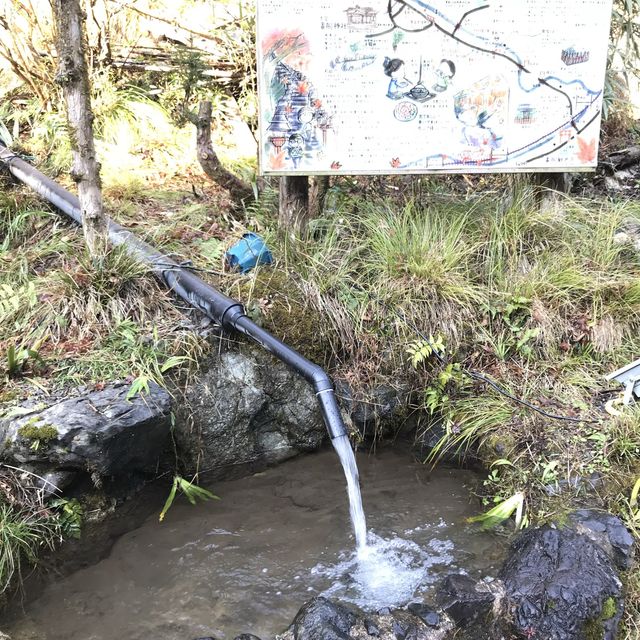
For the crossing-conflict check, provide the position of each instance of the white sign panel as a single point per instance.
(402, 86)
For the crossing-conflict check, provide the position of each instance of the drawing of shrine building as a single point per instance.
(361, 15)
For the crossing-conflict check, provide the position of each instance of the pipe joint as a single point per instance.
(231, 315)
(320, 380)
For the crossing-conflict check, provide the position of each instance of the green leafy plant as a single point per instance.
(17, 357)
(503, 511)
(140, 386)
(70, 515)
(192, 492)
(16, 301)
(436, 395)
(632, 508)
(421, 350)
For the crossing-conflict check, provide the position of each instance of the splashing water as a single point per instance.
(348, 461)
(388, 572)
(382, 571)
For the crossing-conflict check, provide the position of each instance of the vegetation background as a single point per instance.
(410, 282)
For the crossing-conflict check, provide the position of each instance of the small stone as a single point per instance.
(246, 636)
(399, 630)
(458, 596)
(372, 628)
(427, 614)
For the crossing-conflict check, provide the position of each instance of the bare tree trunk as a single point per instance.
(293, 210)
(209, 160)
(318, 187)
(73, 77)
(550, 187)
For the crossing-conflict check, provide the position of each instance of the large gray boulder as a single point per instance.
(247, 407)
(560, 585)
(100, 432)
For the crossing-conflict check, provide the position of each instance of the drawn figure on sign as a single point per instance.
(482, 109)
(475, 132)
(295, 149)
(296, 118)
(436, 82)
(442, 76)
(398, 85)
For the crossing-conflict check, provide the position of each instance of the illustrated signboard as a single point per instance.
(413, 86)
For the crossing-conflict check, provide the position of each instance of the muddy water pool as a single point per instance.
(246, 563)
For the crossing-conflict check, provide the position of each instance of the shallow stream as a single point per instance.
(246, 563)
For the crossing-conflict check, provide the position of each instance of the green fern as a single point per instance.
(421, 350)
(192, 492)
(14, 301)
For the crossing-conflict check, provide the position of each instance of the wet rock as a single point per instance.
(401, 631)
(100, 432)
(403, 625)
(464, 599)
(324, 619)
(427, 614)
(54, 483)
(560, 585)
(376, 412)
(372, 628)
(609, 532)
(248, 408)
(246, 636)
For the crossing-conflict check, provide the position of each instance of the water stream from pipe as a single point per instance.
(350, 467)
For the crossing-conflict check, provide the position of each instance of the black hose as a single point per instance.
(227, 312)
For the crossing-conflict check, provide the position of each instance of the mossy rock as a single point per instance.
(595, 629)
(273, 301)
(40, 433)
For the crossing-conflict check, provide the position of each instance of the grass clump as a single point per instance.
(23, 534)
(542, 301)
(27, 526)
(65, 321)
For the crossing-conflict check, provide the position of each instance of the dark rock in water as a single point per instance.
(376, 413)
(400, 631)
(429, 435)
(247, 408)
(323, 619)
(101, 432)
(426, 613)
(246, 636)
(404, 625)
(372, 628)
(560, 586)
(609, 532)
(465, 600)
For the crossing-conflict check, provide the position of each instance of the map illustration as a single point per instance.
(437, 86)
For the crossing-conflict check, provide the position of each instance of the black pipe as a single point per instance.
(227, 312)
